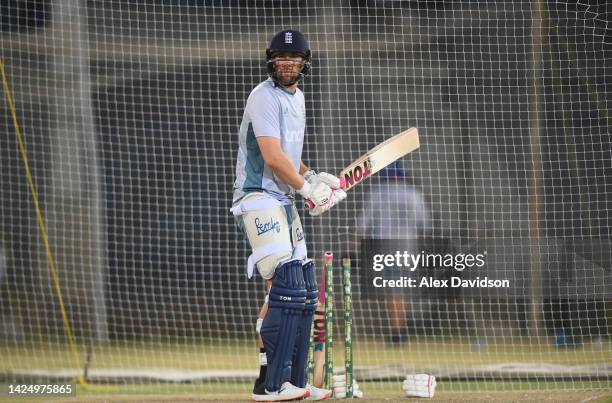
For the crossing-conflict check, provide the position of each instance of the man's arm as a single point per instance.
(321, 196)
(303, 168)
(278, 161)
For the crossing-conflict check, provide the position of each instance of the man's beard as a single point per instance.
(287, 79)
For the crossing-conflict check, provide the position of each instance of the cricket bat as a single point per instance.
(318, 339)
(379, 157)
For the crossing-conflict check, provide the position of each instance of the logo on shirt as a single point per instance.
(266, 226)
(288, 37)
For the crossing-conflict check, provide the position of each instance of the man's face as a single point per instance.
(287, 66)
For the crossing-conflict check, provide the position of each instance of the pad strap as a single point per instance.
(300, 251)
(264, 251)
(265, 203)
(251, 205)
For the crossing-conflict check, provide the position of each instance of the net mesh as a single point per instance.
(120, 259)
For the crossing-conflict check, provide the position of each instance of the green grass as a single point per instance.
(421, 353)
(367, 387)
(242, 355)
(453, 353)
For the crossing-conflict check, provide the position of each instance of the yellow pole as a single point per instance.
(43, 231)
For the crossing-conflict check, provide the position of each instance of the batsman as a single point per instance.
(269, 171)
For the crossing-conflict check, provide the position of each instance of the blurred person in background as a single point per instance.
(395, 209)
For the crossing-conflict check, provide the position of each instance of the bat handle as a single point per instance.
(329, 257)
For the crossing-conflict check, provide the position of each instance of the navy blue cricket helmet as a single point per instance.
(288, 40)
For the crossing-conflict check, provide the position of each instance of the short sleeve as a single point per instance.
(263, 111)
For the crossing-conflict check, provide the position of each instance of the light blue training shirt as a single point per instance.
(274, 112)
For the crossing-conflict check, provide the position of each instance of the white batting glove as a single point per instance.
(340, 388)
(321, 197)
(312, 177)
(419, 385)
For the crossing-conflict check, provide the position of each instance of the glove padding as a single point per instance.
(321, 196)
(312, 177)
(419, 385)
(315, 179)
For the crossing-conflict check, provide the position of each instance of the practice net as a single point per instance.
(121, 263)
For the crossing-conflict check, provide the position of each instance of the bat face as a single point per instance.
(318, 339)
(353, 175)
(379, 157)
(319, 328)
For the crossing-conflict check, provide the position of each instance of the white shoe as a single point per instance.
(287, 392)
(317, 393)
